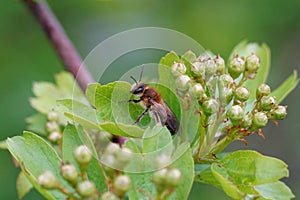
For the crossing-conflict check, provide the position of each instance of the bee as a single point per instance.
(153, 102)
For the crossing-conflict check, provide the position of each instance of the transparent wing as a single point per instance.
(159, 112)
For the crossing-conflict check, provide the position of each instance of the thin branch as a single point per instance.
(63, 46)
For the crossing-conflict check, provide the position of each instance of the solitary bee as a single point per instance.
(154, 103)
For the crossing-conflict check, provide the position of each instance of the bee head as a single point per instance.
(137, 88)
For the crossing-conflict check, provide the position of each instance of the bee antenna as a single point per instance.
(142, 71)
(134, 79)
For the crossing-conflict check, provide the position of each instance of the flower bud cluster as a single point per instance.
(166, 178)
(266, 109)
(114, 160)
(84, 188)
(221, 96)
(53, 127)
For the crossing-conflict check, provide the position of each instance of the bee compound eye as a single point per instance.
(138, 90)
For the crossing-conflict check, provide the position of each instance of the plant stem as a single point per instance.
(222, 144)
(210, 135)
(63, 46)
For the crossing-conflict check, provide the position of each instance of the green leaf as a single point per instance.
(35, 156)
(157, 139)
(227, 185)
(139, 180)
(47, 93)
(250, 167)
(152, 145)
(67, 85)
(80, 113)
(277, 191)
(43, 102)
(36, 123)
(135, 111)
(189, 56)
(91, 91)
(286, 87)
(183, 161)
(3, 144)
(23, 185)
(245, 49)
(169, 59)
(111, 101)
(76, 136)
(104, 98)
(240, 172)
(122, 129)
(203, 173)
(130, 143)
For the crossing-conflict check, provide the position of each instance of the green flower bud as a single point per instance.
(162, 160)
(278, 113)
(260, 120)
(242, 94)
(69, 173)
(103, 137)
(124, 157)
(109, 196)
(83, 156)
(225, 80)
(52, 126)
(247, 121)
(252, 63)
(122, 184)
(267, 103)
(210, 106)
(55, 137)
(178, 69)
(53, 116)
(196, 91)
(109, 163)
(236, 114)
(86, 189)
(198, 69)
(112, 149)
(220, 64)
(210, 68)
(48, 181)
(236, 67)
(183, 82)
(173, 177)
(159, 177)
(262, 90)
(226, 95)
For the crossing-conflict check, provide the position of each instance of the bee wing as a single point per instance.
(172, 122)
(165, 116)
(159, 112)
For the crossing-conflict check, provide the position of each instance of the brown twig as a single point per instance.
(63, 46)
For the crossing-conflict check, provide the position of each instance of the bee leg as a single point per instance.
(141, 116)
(134, 100)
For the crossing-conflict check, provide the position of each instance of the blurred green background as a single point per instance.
(27, 56)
